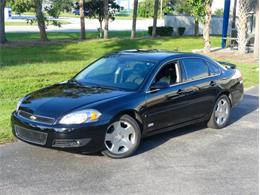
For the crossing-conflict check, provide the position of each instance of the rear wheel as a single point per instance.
(122, 137)
(221, 113)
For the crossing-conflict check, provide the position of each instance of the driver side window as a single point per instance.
(170, 74)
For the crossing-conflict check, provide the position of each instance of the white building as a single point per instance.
(8, 13)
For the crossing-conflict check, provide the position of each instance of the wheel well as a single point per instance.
(228, 94)
(134, 115)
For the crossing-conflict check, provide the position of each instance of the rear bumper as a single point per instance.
(84, 137)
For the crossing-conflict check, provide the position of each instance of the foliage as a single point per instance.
(181, 30)
(52, 8)
(95, 9)
(145, 8)
(197, 9)
(161, 30)
(219, 12)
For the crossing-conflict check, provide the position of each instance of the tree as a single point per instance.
(134, 19)
(219, 12)
(95, 9)
(2, 22)
(155, 15)
(244, 8)
(256, 44)
(206, 28)
(106, 17)
(82, 20)
(51, 8)
(197, 10)
(41, 20)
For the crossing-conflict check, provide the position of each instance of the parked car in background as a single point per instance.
(120, 98)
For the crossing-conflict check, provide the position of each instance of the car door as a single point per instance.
(186, 100)
(166, 107)
(204, 85)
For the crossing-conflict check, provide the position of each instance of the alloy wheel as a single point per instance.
(222, 111)
(120, 137)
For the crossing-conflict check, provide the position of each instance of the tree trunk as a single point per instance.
(82, 20)
(100, 28)
(196, 27)
(106, 19)
(206, 29)
(2, 22)
(40, 20)
(134, 19)
(155, 15)
(242, 25)
(256, 44)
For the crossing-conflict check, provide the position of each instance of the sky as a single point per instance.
(220, 4)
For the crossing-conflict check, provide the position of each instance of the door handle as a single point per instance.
(180, 92)
(212, 83)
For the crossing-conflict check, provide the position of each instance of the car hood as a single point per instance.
(60, 99)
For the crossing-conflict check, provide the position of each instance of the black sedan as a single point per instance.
(120, 98)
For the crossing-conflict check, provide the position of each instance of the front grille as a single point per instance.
(36, 118)
(31, 136)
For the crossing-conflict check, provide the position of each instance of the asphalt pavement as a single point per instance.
(191, 160)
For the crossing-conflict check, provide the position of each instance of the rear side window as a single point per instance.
(213, 68)
(195, 68)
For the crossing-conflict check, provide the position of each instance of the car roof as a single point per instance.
(156, 55)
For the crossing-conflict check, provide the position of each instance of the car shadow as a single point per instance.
(249, 104)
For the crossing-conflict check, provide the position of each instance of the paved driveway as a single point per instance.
(91, 25)
(191, 160)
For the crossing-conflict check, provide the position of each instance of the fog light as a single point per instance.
(70, 143)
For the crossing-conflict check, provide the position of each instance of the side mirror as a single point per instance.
(160, 85)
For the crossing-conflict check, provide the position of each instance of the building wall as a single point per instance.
(8, 13)
(188, 23)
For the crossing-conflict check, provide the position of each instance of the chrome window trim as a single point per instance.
(178, 59)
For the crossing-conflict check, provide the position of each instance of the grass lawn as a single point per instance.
(70, 36)
(28, 68)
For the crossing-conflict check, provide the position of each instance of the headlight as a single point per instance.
(19, 104)
(78, 117)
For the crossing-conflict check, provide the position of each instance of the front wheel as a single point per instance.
(122, 137)
(221, 113)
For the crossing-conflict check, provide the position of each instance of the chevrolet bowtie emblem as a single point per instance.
(33, 117)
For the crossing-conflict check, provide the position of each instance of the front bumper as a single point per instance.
(84, 137)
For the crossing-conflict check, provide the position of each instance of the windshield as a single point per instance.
(116, 71)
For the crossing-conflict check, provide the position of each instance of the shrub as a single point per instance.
(161, 30)
(181, 30)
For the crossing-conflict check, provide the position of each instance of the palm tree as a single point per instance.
(134, 19)
(206, 28)
(2, 22)
(256, 44)
(155, 15)
(106, 19)
(243, 13)
(82, 20)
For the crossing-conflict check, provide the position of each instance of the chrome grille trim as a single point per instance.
(36, 118)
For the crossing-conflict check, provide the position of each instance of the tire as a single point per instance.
(122, 137)
(218, 112)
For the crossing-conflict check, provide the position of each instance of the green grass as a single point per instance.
(28, 68)
(69, 36)
(24, 23)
